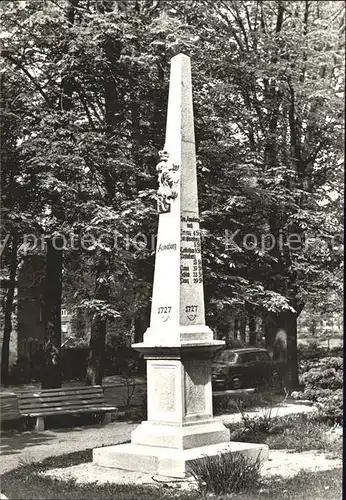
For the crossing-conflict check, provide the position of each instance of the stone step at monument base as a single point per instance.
(167, 461)
(182, 437)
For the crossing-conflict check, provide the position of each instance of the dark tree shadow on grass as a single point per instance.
(12, 444)
(12, 441)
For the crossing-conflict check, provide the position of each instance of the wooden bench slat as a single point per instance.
(47, 402)
(37, 397)
(7, 395)
(39, 402)
(95, 388)
(9, 404)
(63, 405)
(10, 416)
(63, 389)
(121, 385)
(55, 395)
(76, 410)
(9, 409)
(60, 411)
(76, 397)
(58, 394)
(12, 411)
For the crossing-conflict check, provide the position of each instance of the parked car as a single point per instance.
(242, 368)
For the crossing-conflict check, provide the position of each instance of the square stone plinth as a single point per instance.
(180, 437)
(167, 461)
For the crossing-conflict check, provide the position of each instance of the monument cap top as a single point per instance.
(180, 55)
(178, 346)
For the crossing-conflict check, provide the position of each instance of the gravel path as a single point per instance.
(279, 411)
(281, 463)
(287, 464)
(36, 446)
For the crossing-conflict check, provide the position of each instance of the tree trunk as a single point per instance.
(113, 107)
(242, 330)
(8, 309)
(292, 379)
(142, 322)
(270, 330)
(252, 328)
(281, 341)
(52, 376)
(95, 367)
(313, 327)
(145, 273)
(98, 332)
(113, 102)
(236, 328)
(52, 372)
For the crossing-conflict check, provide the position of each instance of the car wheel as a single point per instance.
(236, 383)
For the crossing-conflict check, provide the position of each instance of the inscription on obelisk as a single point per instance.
(178, 346)
(178, 298)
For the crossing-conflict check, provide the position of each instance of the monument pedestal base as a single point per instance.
(167, 461)
(178, 346)
(180, 425)
(180, 437)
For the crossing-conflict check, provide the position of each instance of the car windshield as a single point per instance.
(263, 356)
(225, 356)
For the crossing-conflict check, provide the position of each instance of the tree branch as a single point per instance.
(28, 74)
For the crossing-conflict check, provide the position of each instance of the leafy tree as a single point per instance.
(77, 153)
(267, 79)
(269, 128)
(17, 204)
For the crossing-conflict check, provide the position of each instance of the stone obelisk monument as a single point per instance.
(178, 346)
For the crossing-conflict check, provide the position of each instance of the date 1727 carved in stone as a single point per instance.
(178, 346)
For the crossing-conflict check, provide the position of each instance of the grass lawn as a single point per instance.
(298, 433)
(25, 483)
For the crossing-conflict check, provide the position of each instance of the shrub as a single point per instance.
(322, 383)
(243, 435)
(120, 360)
(259, 424)
(231, 404)
(312, 350)
(325, 373)
(337, 351)
(298, 433)
(327, 378)
(330, 408)
(129, 382)
(265, 420)
(223, 404)
(141, 411)
(303, 432)
(226, 473)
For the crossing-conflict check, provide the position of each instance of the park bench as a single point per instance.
(9, 407)
(68, 400)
